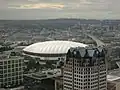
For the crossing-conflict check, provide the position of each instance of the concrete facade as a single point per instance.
(85, 69)
(11, 71)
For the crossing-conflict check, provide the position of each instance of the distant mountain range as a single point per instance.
(70, 21)
(54, 23)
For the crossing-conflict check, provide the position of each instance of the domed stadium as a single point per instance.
(51, 50)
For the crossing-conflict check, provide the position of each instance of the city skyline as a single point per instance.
(42, 47)
(47, 9)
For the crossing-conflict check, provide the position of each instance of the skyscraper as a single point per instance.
(85, 69)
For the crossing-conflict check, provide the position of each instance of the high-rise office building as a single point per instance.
(85, 69)
(11, 71)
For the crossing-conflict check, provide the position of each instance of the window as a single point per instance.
(13, 66)
(12, 61)
(9, 70)
(20, 77)
(13, 74)
(1, 63)
(5, 62)
(9, 66)
(1, 76)
(1, 71)
(8, 62)
(20, 64)
(16, 69)
(17, 73)
(16, 65)
(9, 74)
(1, 67)
(5, 75)
(5, 67)
(17, 78)
(20, 60)
(5, 79)
(12, 70)
(9, 79)
(5, 71)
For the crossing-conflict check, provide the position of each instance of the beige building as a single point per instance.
(85, 69)
(11, 71)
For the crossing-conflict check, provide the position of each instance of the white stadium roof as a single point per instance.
(52, 47)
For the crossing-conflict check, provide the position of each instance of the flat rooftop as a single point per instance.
(45, 74)
(114, 75)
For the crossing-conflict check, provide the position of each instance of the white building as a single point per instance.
(50, 50)
(85, 69)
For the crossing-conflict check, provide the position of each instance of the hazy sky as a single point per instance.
(46, 9)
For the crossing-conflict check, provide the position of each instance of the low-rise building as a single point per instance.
(113, 80)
